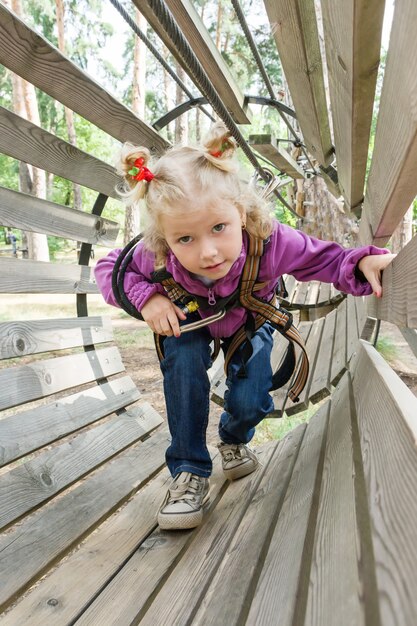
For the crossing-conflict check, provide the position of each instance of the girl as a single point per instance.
(200, 222)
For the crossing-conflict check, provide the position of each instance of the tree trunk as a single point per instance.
(166, 94)
(219, 23)
(25, 104)
(69, 115)
(181, 123)
(132, 215)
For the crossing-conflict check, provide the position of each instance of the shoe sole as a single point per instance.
(241, 470)
(182, 521)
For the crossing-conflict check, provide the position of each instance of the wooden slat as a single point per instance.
(388, 435)
(33, 337)
(28, 485)
(29, 143)
(269, 147)
(300, 295)
(29, 430)
(324, 294)
(221, 604)
(335, 587)
(339, 345)
(392, 181)
(277, 592)
(350, 29)
(35, 59)
(290, 285)
(35, 215)
(352, 328)
(207, 553)
(23, 276)
(296, 36)
(398, 304)
(279, 395)
(320, 385)
(361, 316)
(31, 547)
(313, 346)
(156, 556)
(312, 294)
(205, 50)
(410, 335)
(43, 378)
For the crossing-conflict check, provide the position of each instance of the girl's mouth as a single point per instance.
(211, 268)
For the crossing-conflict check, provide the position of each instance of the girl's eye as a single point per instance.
(218, 228)
(185, 239)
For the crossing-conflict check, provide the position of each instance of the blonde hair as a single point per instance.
(184, 173)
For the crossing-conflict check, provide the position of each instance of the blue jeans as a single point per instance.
(187, 396)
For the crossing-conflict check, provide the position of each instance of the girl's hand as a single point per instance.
(162, 315)
(371, 267)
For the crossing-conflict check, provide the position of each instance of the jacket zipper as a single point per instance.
(211, 299)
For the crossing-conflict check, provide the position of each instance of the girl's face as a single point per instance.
(206, 241)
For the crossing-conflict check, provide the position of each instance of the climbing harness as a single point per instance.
(280, 319)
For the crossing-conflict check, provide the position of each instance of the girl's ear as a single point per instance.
(242, 214)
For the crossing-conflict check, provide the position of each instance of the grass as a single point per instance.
(273, 428)
(387, 348)
(41, 306)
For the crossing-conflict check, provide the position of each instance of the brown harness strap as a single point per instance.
(268, 311)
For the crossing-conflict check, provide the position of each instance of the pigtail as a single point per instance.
(132, 163)
(219, 147)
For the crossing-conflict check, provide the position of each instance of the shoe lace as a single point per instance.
(232, 453)
(185, 491)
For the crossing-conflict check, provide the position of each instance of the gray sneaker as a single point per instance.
(238, 460)
(183, 505)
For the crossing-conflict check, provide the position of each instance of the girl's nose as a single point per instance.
(208, 249)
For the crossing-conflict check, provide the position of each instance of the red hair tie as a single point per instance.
(218, 153)
(140, 172)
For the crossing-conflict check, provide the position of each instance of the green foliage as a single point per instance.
(387, 348)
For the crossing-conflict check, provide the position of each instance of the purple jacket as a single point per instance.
(288, 251)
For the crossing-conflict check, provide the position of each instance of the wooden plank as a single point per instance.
(313, 345)
(324, 294)
(279, 395)
(40, 379)
(361, 316)
(335, 587)
(388, 435)
(290, 285)
(398, 304)
(312, 294)
(339, 345)
(29, 143)
(277, 592)
(29, 430)
(101, 556)
(31, 56)
(30, 548)
(27, 486)
(296, 36)
(320, 385)
(352, 33)
(300, 295)
(392, 181)
(41, 216)
(141, 575)
(33, 337)
(410, 335)
(352, 335)
(269, 147)
(182, 594)
(229, 604)
(23, 276)
(205, 50)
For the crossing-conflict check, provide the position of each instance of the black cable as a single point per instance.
(253, 47)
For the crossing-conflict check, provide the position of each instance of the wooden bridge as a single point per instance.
(325, 532)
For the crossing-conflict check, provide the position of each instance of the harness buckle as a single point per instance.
(289, 321)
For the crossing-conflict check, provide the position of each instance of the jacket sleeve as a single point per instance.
(306, 258)
(137, 282)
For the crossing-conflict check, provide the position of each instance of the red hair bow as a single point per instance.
(140, 172)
